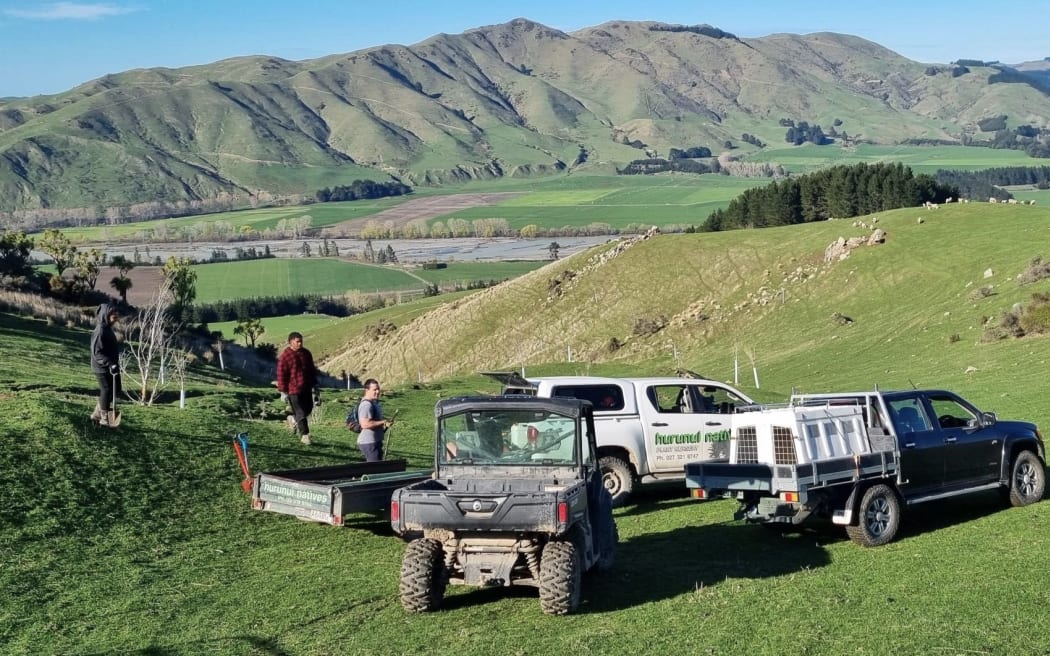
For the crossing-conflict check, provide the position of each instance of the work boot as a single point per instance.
(290, 420)
(103, 419)
(305, 439)
(96, 414)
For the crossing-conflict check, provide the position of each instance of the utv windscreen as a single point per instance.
(540, 438)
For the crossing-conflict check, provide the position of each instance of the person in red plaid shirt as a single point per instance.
(296, 379)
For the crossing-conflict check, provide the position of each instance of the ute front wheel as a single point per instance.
(879, 517)
(422, 576)
(1027, 479)
(617, 479)
(559, 578)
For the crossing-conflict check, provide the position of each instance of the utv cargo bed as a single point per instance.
(327, 494)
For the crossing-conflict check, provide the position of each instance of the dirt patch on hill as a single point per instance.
(144, 283)
(419, 208)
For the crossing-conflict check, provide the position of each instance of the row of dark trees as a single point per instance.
(841, 191)
(803, 132)
(986, 183)
(689, 153)
(1003, 175)
(269, 306)
(660, 165)
(362, 189)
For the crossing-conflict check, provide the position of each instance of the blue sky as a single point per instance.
(48, 47)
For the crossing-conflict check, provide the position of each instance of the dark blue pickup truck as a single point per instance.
(860, 458)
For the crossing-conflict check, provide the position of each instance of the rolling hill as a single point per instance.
(911, 310)
(514, 99)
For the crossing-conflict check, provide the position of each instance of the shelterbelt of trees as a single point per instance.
(838, 192)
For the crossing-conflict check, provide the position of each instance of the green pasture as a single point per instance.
(140, 541)
(619, 201)
(293, 276)
(276, 329)
(243, 221)
(467, 272)
(325, 335)
(333, 277)
(921, 159)
(581, 199)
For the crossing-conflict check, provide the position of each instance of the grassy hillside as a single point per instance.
(512, 100)
(763, 292)
(140, 541)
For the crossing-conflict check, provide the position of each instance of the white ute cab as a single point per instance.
(647, 428)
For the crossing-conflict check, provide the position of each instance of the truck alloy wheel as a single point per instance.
(879, 517)
(559, 578)
(1027, 479)
(423, 576)
(617, 478)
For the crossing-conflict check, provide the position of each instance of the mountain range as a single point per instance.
(513, 99)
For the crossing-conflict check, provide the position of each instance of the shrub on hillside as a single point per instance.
(1020, 320)
(1037, 270)
(646, 326)
(1035, 319)
(981, 292)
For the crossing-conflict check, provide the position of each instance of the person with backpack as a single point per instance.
(373, 425)
(296, 380)
(105, 364)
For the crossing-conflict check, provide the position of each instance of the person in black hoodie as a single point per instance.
(105, 363)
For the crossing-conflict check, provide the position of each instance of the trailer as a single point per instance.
(328, 494)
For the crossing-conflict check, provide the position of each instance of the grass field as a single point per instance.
(287, 276)
(335, 277)
(619, 201)
(582, 199)
(921, 159)
(140, 541)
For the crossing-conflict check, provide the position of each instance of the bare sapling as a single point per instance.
(151, 348)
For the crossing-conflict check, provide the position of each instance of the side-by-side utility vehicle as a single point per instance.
(516, 500)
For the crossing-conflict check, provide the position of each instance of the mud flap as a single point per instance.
(844, 516)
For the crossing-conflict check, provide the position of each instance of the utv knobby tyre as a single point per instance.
(1027, 479)
(617, 479)
(559, 578)
(878, 517)
(422, 576)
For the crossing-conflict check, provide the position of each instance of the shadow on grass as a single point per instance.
(657, 566)
(256, 645)
(655, 498)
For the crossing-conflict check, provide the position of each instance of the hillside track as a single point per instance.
(420, 208)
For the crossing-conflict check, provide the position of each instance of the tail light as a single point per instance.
(790, 497)
(563, 512)
(395, 511)
(698, 493)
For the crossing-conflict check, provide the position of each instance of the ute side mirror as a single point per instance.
(988, 419)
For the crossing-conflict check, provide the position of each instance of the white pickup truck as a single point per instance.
(647, 428)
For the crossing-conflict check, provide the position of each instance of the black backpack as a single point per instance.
(353, 422)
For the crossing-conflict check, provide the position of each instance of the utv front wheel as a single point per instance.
(559, 578)
(422, 576)
(617, 478)
(879, 517)
(1027, 479)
